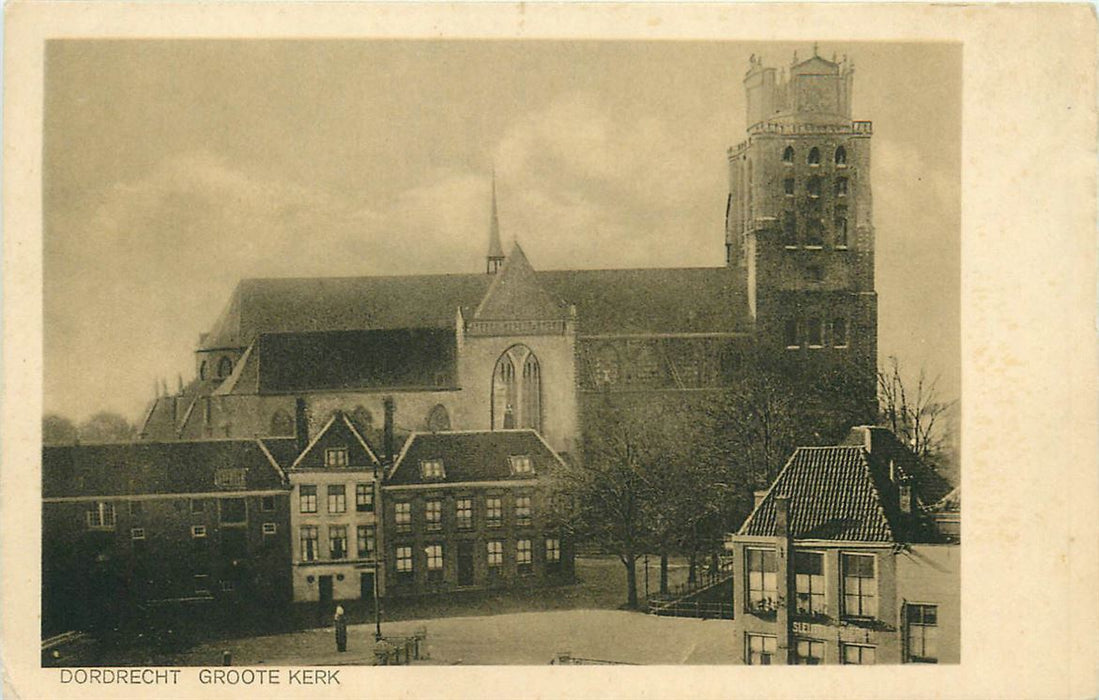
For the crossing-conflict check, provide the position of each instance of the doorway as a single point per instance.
(366, 587)
(465, 563)
(325, 585)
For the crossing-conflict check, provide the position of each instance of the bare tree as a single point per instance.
(913, 409)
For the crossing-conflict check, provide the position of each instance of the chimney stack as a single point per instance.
(387, 436)
(301, 424)
(904, 493)
(784, 557)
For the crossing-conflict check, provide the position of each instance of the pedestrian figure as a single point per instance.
(341, 629)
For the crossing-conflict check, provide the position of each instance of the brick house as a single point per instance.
(129, 526)
(843, 561)
(472, 510)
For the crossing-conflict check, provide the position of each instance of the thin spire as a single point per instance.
(495, 249)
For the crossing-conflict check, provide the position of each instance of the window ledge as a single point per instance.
(793, 347)
(841, 347)
(841, 247)
(815, 347)
(791, 247)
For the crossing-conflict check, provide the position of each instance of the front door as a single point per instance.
(366, 586)
(465, 563)
(325, 585)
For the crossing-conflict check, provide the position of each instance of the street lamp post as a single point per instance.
(377, 607)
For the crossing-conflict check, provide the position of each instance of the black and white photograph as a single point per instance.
(501, 353)
(450, 350)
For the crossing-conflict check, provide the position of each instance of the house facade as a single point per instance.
(469, 510)
(841, 562)
(334, 504)
(133, 526)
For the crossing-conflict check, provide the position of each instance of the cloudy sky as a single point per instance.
(175, 168)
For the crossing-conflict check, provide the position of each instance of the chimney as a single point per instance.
(867, 439)
(301, 424)
(387, 437)
(904, 495)
(784, 583)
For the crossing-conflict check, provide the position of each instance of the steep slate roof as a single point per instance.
(832, 497)
(517, 294)
(420, 357)
(884, 447)
(344, 304)
(472, 456)
(338, 432)
(125, 469)
(655, 300)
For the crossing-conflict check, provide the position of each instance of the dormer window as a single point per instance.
(432, 469)
(335, 457)
(521, 464)
(814, 156)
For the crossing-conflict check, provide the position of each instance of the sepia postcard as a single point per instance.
(488, 339)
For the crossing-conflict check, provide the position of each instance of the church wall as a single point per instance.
(477, 358)
(248, 415)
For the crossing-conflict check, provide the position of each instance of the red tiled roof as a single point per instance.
(832, 495)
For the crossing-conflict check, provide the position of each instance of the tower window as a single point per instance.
(814, 333)
(841, 187)
(815, 274)
(788, 186)
(813, 187)
(790, 229)
(790, 334)
(841, 156)
(814, 236)
(841, 227)
(839, 333)
(814, 156)
(225, 367)
(788, 155)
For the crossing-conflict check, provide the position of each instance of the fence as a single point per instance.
(692, 608)
(399, 651)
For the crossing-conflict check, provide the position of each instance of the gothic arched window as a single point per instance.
(282, 423)
(788, 155)
(225, 367)
(438, 419)
(841, 156)
(814, 156)
(517, 394)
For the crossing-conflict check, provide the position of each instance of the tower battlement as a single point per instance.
(813, 92)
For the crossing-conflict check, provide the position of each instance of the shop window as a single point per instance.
(810, 652)
(858, 654)
(760, 649)
(762, 588)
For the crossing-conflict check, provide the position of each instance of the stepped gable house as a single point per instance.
(515, 347)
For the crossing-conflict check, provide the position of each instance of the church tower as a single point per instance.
(799, 218)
